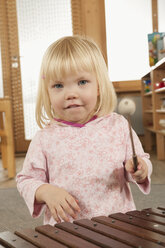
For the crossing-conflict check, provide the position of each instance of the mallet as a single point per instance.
(127, 107)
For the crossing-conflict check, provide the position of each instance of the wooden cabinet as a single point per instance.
(152, 100)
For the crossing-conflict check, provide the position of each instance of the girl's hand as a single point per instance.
(59, 201)
(142, 170)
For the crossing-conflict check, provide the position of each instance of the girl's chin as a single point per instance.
(76, 119)
(81, 119)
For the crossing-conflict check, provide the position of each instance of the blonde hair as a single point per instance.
(71, 54)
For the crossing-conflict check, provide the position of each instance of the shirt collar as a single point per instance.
(73, 124)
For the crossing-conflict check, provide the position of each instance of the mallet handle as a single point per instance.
(135, 161)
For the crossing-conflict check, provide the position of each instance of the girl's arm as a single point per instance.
(33, 185)
(33, 174)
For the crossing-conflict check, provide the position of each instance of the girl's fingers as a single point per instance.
(139, 167)
(68, 209)
(61, 213)
(55, 216)
(129, 166)
(73, 203)
(142, 170)
(140, 174)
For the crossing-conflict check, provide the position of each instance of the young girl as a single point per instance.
(79, 164)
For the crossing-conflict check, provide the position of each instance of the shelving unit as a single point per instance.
(152, 112)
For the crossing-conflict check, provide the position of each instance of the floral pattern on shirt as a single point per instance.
(88, 162)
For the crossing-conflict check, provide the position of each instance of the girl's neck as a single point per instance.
(75, 124)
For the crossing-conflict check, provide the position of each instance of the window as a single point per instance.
(127, 25)
(40, 23)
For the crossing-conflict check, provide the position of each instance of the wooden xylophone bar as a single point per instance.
(141, 229)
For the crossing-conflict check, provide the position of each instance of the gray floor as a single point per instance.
(14, 214)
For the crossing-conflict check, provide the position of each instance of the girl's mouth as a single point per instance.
(73, 106)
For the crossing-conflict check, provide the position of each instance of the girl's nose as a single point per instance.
(71, 95)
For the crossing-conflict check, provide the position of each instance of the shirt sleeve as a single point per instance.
(33, 174)
(146, 186)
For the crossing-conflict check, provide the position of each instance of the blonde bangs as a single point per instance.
(67, 57)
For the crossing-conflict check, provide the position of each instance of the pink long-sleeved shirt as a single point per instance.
(88, 162)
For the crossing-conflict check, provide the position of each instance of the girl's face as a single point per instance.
(74, 97)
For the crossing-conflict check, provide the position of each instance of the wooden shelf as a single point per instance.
(159, 65)
(148, 93)
(127, 86)
(150, 129)
(152, 112)
(148, 111)
(161, 132)
(160, 111)
(160, 90)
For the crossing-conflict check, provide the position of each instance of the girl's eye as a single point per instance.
(83, 82)
(58, 86)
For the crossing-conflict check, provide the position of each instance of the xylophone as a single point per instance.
(141, 229)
